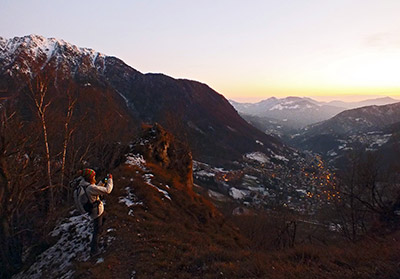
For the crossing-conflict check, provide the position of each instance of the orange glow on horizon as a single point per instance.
(354, 75)
(320, 94)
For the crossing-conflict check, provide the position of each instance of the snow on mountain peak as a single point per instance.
(36, 45)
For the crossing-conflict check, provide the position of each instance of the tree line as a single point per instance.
(48, 131)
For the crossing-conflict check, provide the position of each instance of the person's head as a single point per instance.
(89, 175)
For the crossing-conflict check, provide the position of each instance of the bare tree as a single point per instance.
(67, 131)
(39, 92)
(368, 193)
(17, 177)
(38, 89)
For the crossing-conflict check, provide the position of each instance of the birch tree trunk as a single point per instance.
(38, 95)
(67, 133)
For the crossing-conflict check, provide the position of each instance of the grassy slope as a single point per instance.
(188, 238)
(185, 236)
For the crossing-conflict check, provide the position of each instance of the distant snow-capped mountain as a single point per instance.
(370, 102)
(299, 112)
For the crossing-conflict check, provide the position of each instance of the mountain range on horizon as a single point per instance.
(369, 128)
(331, 129)
(384, 100)
(298, 112)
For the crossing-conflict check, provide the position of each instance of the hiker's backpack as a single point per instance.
(81, 197)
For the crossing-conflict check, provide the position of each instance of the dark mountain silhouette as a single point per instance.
(191, 110)
(371, 128)
(360, 120)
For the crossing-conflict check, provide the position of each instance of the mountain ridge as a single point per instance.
(371, 128)
(368, 102)
(190, 109)
(360, 120)
(298, 112)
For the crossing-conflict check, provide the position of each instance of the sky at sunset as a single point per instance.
(245, 50)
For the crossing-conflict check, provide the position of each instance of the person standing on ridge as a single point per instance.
(93, 193)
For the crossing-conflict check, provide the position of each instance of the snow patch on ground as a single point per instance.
(237, 194)
(281, 158)
(257, 156)
(147, 178)
(335, 227)
(125, 99)
(232, 129)
(74, 234)
(379, 141)
(205, 173)
(136, 160)
(287, 105)
(332, 153)
(130, 199)
(216, 196)
(302, 192)
(342, 146)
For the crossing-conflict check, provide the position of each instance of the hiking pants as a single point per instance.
(97, 229)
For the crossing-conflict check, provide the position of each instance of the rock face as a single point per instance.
(192, 111)
(159, 146)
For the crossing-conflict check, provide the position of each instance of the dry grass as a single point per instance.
(189, 238)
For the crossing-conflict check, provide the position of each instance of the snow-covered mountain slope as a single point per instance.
(30, 54)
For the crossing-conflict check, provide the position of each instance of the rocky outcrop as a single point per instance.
(161, 147)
